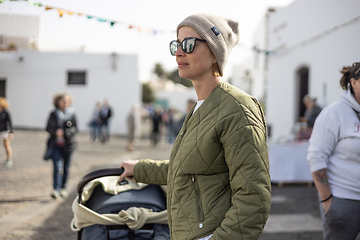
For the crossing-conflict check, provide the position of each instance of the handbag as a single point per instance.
(48, 153)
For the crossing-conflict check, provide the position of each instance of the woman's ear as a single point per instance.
(354, 83)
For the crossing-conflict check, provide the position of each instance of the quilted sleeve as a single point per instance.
(244, 143)
(151, 171)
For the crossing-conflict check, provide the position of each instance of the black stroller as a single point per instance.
(129, 214)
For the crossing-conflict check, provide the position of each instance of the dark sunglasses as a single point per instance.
(187, 45)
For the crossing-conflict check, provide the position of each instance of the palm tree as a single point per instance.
(159, 70)
(147, 93)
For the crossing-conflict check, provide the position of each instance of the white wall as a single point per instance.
(291, 32)
(20, 25)
(258, 60)
(32, 83)
(240, 78)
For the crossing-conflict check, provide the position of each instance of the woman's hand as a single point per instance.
(326, 205)
(59, 133)
(128, 166)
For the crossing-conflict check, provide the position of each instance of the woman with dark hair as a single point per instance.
(334, 158)
(62, 128)
(218, 182)
(6, 130)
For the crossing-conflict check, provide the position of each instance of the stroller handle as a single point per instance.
(105, 172)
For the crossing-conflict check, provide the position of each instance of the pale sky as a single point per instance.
(73, 32)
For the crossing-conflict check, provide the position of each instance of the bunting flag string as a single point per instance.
(62, 12)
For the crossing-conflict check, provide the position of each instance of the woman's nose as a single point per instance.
(179, 51)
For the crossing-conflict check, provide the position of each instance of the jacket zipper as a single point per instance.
(198, 198)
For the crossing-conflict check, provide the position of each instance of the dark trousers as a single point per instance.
(61, 160)
(342, 221)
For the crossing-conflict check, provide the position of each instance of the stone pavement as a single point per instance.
(28, 212)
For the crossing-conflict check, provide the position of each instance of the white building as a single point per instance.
(22, 31)
(172, 95)
(312, 41)
(250, 76)
(31, 79)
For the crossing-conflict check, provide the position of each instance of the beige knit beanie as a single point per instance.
(220, 33)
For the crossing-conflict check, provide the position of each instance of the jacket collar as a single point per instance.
(210, 104)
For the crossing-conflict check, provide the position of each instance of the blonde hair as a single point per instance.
(69, 96)
(4, 103)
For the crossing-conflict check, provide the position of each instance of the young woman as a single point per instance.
(6, 130)
(62, 129)
(218, 183)
(334, 158)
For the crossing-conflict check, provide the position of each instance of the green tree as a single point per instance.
(147, 93)
(159, 70)
(174, 76)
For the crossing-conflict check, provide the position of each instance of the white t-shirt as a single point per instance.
(206, 238)
(198, 104)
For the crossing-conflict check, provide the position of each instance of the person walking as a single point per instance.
(217, 177)
(133, 125)
(334, 159)
(105, 115)
(62, 128)
(156, 121)
(95, 122)
(6, 130)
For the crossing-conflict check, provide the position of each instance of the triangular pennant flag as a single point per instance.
(48, 8)
(70, 13)
(89, 17)
(112, 24)
(130, 26)
(61, 12)
(101, 20)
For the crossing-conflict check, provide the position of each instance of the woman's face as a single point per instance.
(198, 64)
(67, 100)
(356, 88)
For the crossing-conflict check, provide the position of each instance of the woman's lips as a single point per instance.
(182, 64)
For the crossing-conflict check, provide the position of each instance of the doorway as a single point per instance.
(303, 89)
(2, 87)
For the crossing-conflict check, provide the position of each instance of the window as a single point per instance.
(76, 78)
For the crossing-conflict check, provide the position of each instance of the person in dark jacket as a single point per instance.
(156, 120)
(6, 130)
(217, 177)
(312, 110)
(105, 115)
(62, 128)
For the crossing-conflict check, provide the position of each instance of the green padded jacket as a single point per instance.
(217, 178)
